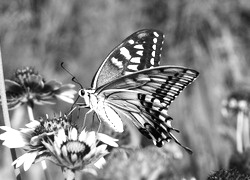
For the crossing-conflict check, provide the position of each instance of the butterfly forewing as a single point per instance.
(144, 97)
(139, 51)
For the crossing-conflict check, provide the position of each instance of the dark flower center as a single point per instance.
(77, 147)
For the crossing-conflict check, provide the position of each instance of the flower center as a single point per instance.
(77, 147)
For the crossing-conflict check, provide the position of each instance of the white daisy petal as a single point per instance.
(82, 136)
(19, 161)
(26, 160)
(69, 93)
(73, 134)
(100, 163)
(61, 137)
(64, 151)
(90, 170)
(13, 138)
(29, 160)
(102, 149)
(57, 145)
(66, 99)
(107, 139)
(90, 154)
(33, 124)
(91, 138)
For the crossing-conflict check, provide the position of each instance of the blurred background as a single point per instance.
(212, 37)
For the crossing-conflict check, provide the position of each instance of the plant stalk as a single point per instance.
(6, 116)
(239, 131)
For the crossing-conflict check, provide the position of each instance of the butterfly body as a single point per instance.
(99, 104)
(131, 86)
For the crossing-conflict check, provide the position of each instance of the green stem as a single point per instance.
(6, 116)
(43, 163)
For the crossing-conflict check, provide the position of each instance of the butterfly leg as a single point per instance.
(100, 123)
(78, 106)
(71, 111)
(81, 105)
(85, 116)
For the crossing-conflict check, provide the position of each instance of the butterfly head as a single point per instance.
(81, 92)
(85, 94)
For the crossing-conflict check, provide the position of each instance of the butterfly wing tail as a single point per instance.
(160, 131)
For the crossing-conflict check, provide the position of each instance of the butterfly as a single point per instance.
(131, 86)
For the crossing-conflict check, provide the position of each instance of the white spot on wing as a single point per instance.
(179, 84)
(139, 53)
(124, 51)
(152, 61)
(153, 53)
(138, 46)
(155, 40)
(168, 123)
(157, 102)
(131, 41)
(142, 77)
(132, 67)
(156, 34)
(127, 73)
(171, 94)
(154, 47)
(136, 60)
(117, 63)
(174, 89)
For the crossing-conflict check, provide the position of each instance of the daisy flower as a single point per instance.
(59, 141)
(74, 150)
(237, 105)
(30, 138)
(237, 101)
(27, 86)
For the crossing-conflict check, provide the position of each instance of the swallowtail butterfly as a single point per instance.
(131, 86)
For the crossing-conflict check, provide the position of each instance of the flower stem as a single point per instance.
(43, 163)
(68, 174)
(239, 131)
(6, 116)
(245, 135)
(30, 112)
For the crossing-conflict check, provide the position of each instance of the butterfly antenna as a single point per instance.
(73, 107)
(73, 77)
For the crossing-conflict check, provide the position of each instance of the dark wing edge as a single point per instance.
(144, 45)
(144, 97)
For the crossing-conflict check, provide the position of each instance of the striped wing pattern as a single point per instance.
(144, 97)
(139, 51)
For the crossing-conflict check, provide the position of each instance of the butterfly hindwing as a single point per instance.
(148, 122)
(139, 51)
(144, 97)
